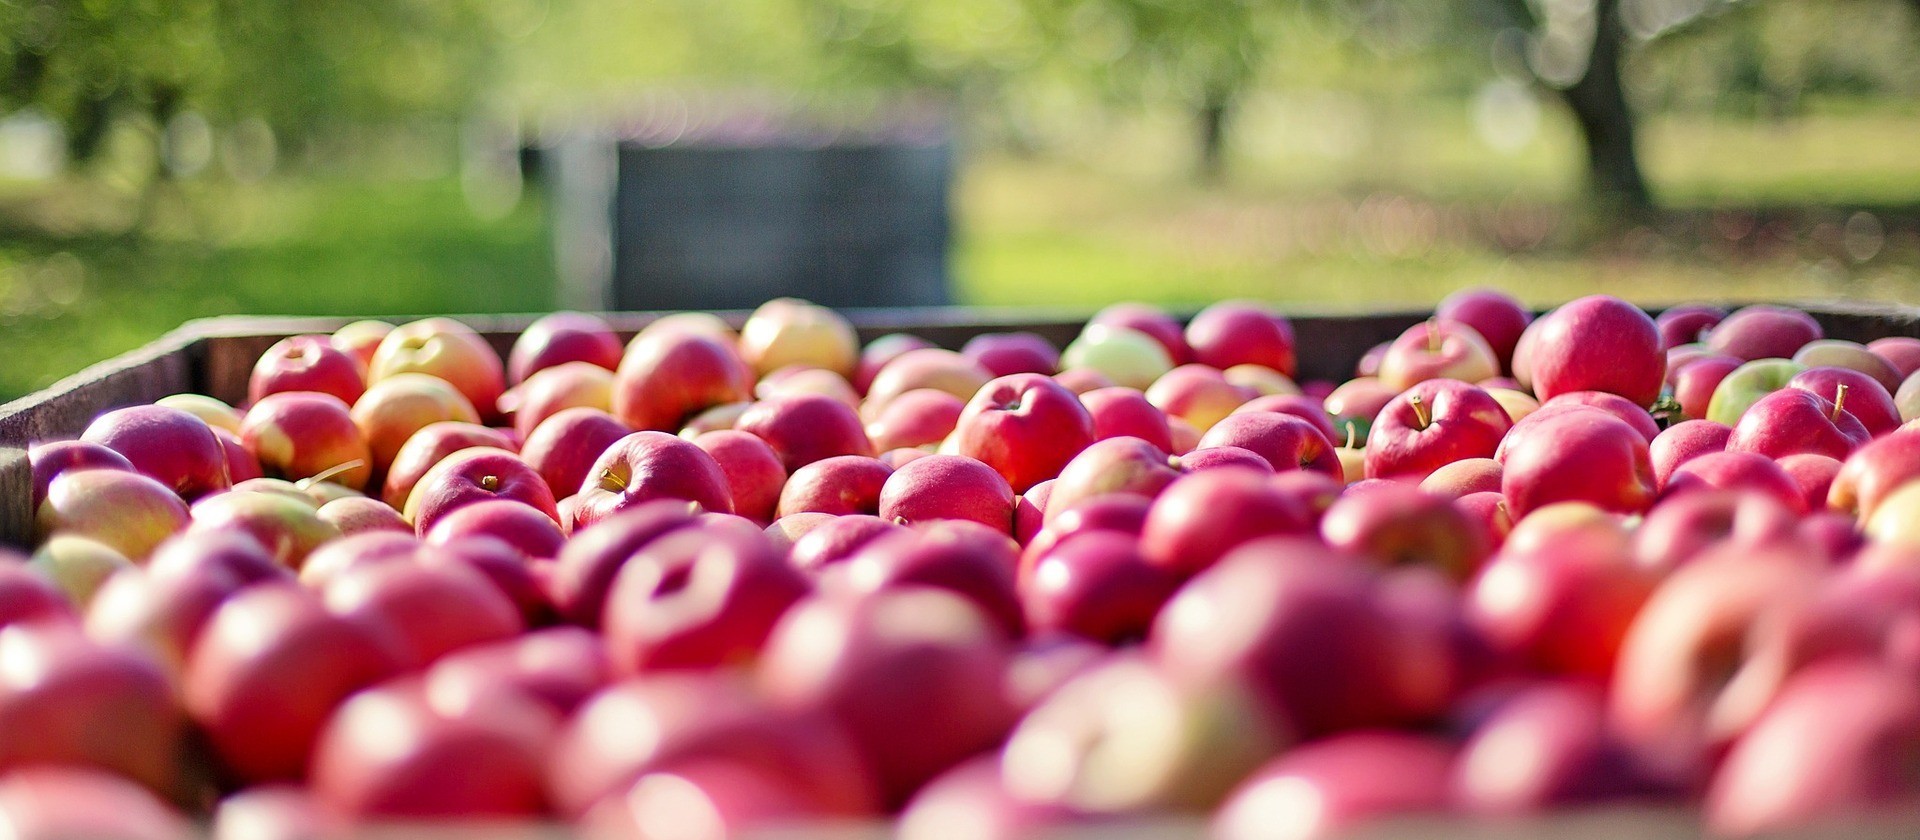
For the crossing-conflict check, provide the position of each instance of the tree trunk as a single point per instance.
(1211, 120)
(1599, 105)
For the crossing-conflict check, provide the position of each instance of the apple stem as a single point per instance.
(608, 476)
(1839, 400)
(1433, 337)
(328, 473)
(490, 483)
(1352, 433)
(1420, 412)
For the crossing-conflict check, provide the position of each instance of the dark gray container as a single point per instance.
(857, 219)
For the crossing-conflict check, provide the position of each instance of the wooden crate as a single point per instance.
(214, 356)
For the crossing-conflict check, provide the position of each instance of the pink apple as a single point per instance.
(844, 484)
(1683, 442)
(1203, 516)
(1687, 323)
(51, 459)
(1151, 320)
(835, 540)
(1462, 478)
(1198, 394)
(1903, 352)
(303, 434)
(1764, 332)
(472, 475)
(1122, 465)
(1874, 471)
(552, 390)
(241, 465)
(648, 466)
(1614, 404)
(1850, 355)
(357, 514)
(396, 407)
(428, 611)
(927, 367)
(558, 667)
(563, 449)
(1304, 407)
(73, 701)
(288, 527)
(947, 487)
(69, 802)
(1217, 457)
(1403, 526)
(27, 596)
(1237, 332)
(879, 352)
(1494, 314)
(1125, 412)
(127, 511)
(1433, 424)
(921, 417)
(1287, 442)
(754, 474)
(173, 447)
(804, 429)
(1025, 426)
(1080, 380)
(1340, 784)
(1577, 454)
(1097, 586)
(1791, 420)
(1437, 349)
(306, 363)
(1742, 471)
(559, 338)
(428, 447)
(1561, 593)
(1359, 400)
(1005, 354)
(666, 378)
(592, 557)
(700, 597)
(520, 525)
(1855, 393)
(1679, 529)
(1122, 513)
(447, 349)
(1598, 343)
(1558, 731)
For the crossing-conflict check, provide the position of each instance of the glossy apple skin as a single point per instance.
(667, 377)
(1903, 352)
(1874, 471)
(947, 487)
(974, 791)
(1682, 442)
(1124, 465)
(699, 597)
(1203, 516)
(267, 671)
(920, 417)
(171, 446)
(966, 558)
(65, 699)
(903, 671)
(754, 474)
(55, 457)
(473, 475)
(1287, 442)
(1124, 412)
(1120, 355)
(1096, 585)
(793, 381)
(1598, 343)
(395, 408)
(1461, 422)
(1025, 426)
(1437, 349)
(241, 465)
(1790, 421)
(1153, 321)
(360, 339)
(429, 610)
(1005, 354)
(1614, 404)
(306, 363)
(1742, 471)
(587, 565)
(1827, 750)
(1403, 526)
(402, 751)
(1235, 332)
(1304, 407)
(301, 434)
(844, 484)
(26, 596)
(1357, 401)
(1850, 355)
(519, 525)
(1764, 332)
(806, 428)
(1494, 314)
(1687, 323)
(1679, 529)
(557, 667)
(556, 389)
(789, 331)
(52, 803)
(1463, 477)
(1220, 457)
(1869, 403)
(1352, 778)
(427, 448)
(564, 448)
(836, 540)
(925, 367)
(650, 466)
(128, 511)
(447, 349)
(1122, 513)
(1198, 394)
(1582, 454)
(1560, 729)
(1560, 597)
(879, 352)
(557, 338)
(161, 609)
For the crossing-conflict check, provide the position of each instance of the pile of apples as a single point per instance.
(707, 582)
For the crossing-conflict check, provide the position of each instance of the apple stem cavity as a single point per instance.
(1839, 401)
(1420, 412)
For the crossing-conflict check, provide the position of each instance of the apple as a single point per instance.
(1203, 516)
(1432, 424)
(793, 381)
(1097, 586)
(698, 597)
(1462, 478)
(361, 339)
(274, 812)
(28, 596)
(429, 611)
(647, 466)
(1437, 349)
(557, 667)
(1679, 529)
(1597, 343)
(1005, 354)
(1151, 320)
(1124, 356)
(1854, 393)
(1746, 384)
(700, 323)
(65, 699)
(173, 447)
(666, 378)
(1683, 442)
(395, 408)
(1907, 399)
(160, 610)
(1266, 381)
(1577, 454)
(1123, 513)
(564, 447)
(912, 673)
(921, 417)
(1286, 441)
(1894, 520)
(290, 529)
(241, 465)
(519, 525)
(927, 367)
(267, 671)
(1561, 593)
(1119, 411)
(559, 338)
(1903, 352)
(427, 448)
(1122, 465)
(447, 349)
(476, 474)
(1403, 526)
(55, 457)
(1030, 511)
(1874, 471)
(754, 474)
(303, 434)
(125, 511)
(788, 331)
(1335, 786)
(54, 802)
(1687, 323)
(1306, 408)
(844, 484)
(1764, 332)
(1083, 379)
(591, 558)
(1850, 355)
(1557, 733)
(804, 429)
(215, 413)
(1369, 364)
(835, 540)
(974, 797)
(1614, 404)
(1517, 405)
(1235, 332)
(1217, 457)
(1744, 471)
(947, 487)
(1198, 394)
(359, 514)
(714, 419)
(1358, 401)
(1790, 421)
(552, 390)
(1025, 426)
(879, 352)
(307, 363)
(1488, 509)
(1495, 315)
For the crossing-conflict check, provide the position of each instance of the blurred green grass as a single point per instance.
(1400, 220)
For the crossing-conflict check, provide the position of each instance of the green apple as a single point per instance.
(78, 566)
(1746, 385)
(1127, 356)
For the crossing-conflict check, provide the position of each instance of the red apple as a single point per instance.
(700, 597)
(65, 699)
(27, 596)
(1874, 471)
(1790, 421)
(1098, 586)
(921, 417)
(1577, 454)
(1124, 412)
(1683, 442)
(563, 449)
(1203, 516)
(215, 413)
(1237, 332)
(1561, 593)
(359, 514)
(879, 352)
(835, 540)
(1494, 314)
(558, 667)
(447, 349)
(1855, 393)
(1687, 323)
(1437, 349)
(303, 434)
(1152, 321)
(1903, 352)
(53, 458)
(1462, 478)
(428, 447)
(1122, 465)
(1433, 424)
(274, 812)
(360, 339)
(519, 525)
(966, 558)
(397, 407)
(56, 803)
(559, 338)
(241, 465)
(476, 474)
(429, 611)
(927, 367)
(754, 474)
(586, 567)
(173, 447)
(1401, 525)
(1358, 400)
(666, 378)
(1286, 441)
(974, 796)
(844, 484)
(1198, 394)
(804, 429)
(1026, 426)
(1304, 407)
(1080, 380)
(1850, 355)
(1679, 529)
(1005, 354)
(947, 487)
(1217, 457)
(1557, 733)
(555, 389)
(1335, 786)
(1614, 404)
(1742, 471)
(1764, 332)
(127, 511)
(307, 363)
(648, 466)
(1597, 343)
